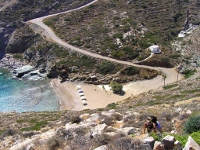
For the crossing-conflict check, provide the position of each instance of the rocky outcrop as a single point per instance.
(191, 144)
(10, 63)
(20, 40)
(29, 72)
(99, 130)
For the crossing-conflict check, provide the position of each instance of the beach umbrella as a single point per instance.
(84, 102)
(78, 86)
(80, 90)
(81, 94)
(83, 98)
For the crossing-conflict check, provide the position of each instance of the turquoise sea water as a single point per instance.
(23, 96)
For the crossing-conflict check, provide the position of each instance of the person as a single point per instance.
(152, 125)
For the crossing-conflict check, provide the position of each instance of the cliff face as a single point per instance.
(14, 13)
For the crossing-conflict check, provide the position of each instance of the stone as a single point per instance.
(98, 129)
(158, 146)
(127, 130)
(177, 145)
(149, 140)
(191, 144)
(168, 141)
(145, 146)
(19, 72)
(103, 147)
(93, 118)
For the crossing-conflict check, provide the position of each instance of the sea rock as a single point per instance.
(34, 75)
(19, 72)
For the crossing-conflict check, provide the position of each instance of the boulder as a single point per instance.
(191, 144)
(149, 140)
(168, 141)
(127, 130)
(98, 129)
(177, 145)
(158, 146)
(19, 72)
(103, 147)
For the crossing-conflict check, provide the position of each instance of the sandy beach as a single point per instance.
(96, 96)
(99, 96)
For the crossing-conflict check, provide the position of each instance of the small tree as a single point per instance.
(164, 78)
(116, 87)
(192, 125)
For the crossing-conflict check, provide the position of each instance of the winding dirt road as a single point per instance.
(131, 88)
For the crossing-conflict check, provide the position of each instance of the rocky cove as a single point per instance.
(30, 92)
(20, 69)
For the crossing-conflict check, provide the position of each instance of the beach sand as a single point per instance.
(97, 96)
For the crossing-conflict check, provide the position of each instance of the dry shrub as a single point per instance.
(101, 139)
(139, 145)
(129, 123)
(166, 126)
(109, 129)
(166, 116)
(133, 123)
(117, 117)
(81, 131)
(10, 132)
(175, 114)
(117, 136)
(124, 143)
(75, 119)
(30, 134)
(107, 120)
(81, 142)
(143, 117)
(60, 137)
(127, 143)
(183, 116)
(132, 117)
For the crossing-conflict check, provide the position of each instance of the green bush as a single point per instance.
(181, 138)
(36, 127)
(116, 87)
(196, 136)
(112, 105)
(106, 68)
(192, 125)
(156, 136)
(75, 119)
(130, 71)
(189, 73)
(18, 56)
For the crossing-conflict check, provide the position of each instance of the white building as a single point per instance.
(155, 49)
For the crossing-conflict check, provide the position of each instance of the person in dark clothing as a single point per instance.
(151, 125)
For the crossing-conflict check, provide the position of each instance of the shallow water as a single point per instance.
(23, 96)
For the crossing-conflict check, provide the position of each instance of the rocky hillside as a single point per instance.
(124, 30)
(13, 13)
